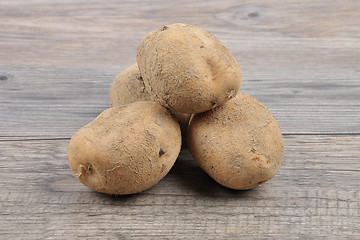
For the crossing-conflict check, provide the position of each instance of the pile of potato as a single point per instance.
(185, 84)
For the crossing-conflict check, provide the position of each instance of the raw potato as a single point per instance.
(126, 149)
(238, 144)
(128, 87)
(187, 69)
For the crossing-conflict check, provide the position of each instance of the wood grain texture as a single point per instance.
(106, 33)
(315, 194)
(299, 57)
(303, 100)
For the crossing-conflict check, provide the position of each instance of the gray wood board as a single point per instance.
(259, 33)
(55, 102)
(315, 194)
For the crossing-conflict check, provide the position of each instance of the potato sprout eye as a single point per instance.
(139, 77)
(162, 152)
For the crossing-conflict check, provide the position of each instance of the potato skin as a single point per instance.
(238, 144)
(128, 87)
(126, 149)
(187, 69)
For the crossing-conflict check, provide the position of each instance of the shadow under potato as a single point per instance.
(188, 178)
(189, 175)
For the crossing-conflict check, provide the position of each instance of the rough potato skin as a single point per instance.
(126, 149)
(238, 144)
(187, 69)
(128, 87)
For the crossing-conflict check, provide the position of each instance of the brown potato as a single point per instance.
(126, 149)
(128, 87)
(187, 69)
(238, 144)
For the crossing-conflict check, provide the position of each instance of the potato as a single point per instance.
(126, 149)
(238, 144)
(128, 87)
(187, 69)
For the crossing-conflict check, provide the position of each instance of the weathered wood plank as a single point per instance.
(315, 194)
(55, 102)
(259, 33)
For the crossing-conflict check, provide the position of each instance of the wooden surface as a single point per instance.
(300, 58)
